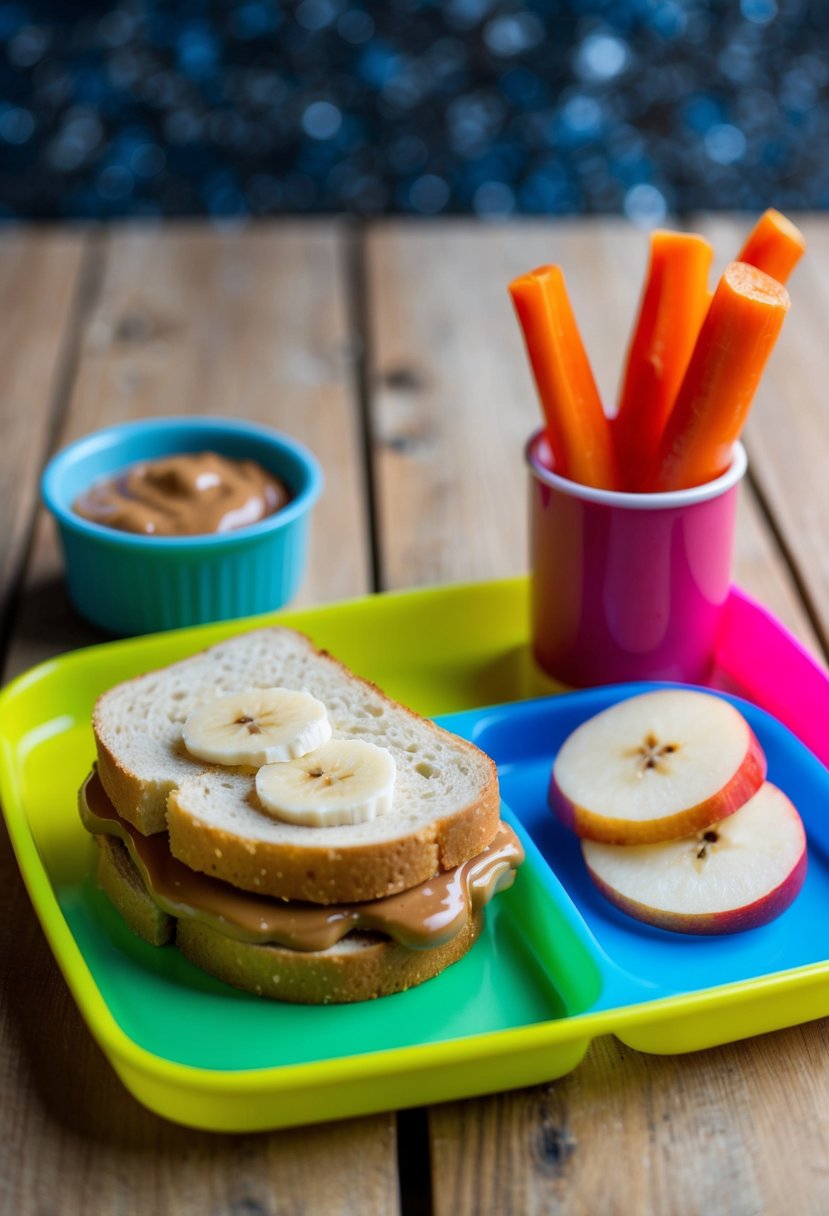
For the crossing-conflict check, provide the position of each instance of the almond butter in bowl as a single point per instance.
(170, 522)
(185, 494)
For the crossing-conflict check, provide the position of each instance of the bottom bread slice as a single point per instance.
(360, 967)
(120, 881)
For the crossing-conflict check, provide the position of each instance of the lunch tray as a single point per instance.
(556, 965)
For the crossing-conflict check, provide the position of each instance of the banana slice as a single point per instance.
(260, 726)
(344, 781)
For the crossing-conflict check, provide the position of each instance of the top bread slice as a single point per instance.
(445, 810)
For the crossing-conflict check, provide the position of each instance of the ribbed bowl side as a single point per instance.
(130, 591)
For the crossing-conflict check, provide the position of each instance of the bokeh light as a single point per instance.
(488, 107)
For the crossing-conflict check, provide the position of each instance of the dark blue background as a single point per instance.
(494, 108)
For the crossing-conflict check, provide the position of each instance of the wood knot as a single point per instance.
(403, 379)
(403, 444)
(247, 1205)
(556, 1146)
(134, 327)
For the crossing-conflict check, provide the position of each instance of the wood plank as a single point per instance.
(761, 570)
(788, 433)
(39, 279)
(249, 323)
(740, 1130)
(187, 319)
(452, 405)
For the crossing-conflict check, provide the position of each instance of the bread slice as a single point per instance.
(358, 968)
(119, 879)
(446, 803)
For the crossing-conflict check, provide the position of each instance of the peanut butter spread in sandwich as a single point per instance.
(189, 494)
(422, 917)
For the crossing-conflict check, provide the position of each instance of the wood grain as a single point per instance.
(251, 324)
(787, 436)
(452, 406)
(739, 1130)
(186, 320)
(39, 280)
(760, 569)
(452, 399)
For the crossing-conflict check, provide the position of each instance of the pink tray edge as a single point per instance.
(763, 660)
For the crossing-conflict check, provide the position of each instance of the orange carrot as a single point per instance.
(577, 429)
(774, 245)
(674, 303)
(736, 339)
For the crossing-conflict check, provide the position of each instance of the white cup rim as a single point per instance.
(664, 499)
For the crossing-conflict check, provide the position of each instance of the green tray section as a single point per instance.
(514, 1012)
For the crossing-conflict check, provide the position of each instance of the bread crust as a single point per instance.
(142, 806)
(121, 883)
(329, 876)
(329, 977)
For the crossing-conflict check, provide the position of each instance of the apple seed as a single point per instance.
(650, 754)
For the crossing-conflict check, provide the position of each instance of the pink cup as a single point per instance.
(628, 586)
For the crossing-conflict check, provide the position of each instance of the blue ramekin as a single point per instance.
(130, 584)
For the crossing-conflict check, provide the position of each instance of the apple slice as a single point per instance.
(742, 872)
(656, 767)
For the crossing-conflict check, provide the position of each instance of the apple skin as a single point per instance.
(746, 872)
(734, 920)
(745, 782)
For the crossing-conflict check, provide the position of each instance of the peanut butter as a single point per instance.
(425, 916)
(191, 494)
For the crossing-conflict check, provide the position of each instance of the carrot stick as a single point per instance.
(774, 245)
(577, 429)
(674, 303)
(736, 339)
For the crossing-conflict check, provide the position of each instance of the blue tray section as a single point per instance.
(637, 962)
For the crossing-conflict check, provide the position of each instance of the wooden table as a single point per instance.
(392, 352)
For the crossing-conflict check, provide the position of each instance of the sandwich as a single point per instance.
(294, 831)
